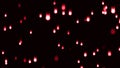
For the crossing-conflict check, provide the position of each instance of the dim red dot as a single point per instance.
(24, 18)
(21, 21)
(56, 58)
(24, 60)
(112, 32)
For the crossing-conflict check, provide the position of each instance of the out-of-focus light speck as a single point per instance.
(30, 31)
(35, 59)
(81, 43)
(5, 15)
(47, 17)
(113, 10)
(77, 21)
(20, 42)
(118, 48)
(112, 32)
(87, 19)
(78, 61)
(54, 31)
(70, 12)
(85, 54)
(24, 60)
(62, 47)
(58, 27)
(63, 13)
(117, 27)
(19, 5)
(97, 50)
(92, 13)
(68, 32)
(4, 28)
(119, 21)
(105, 7)
(24, 18)
(94, 53)
(97, 65)
(58, 45)
(63, 7)
(10, 27)
(6, 61)
(81, 66)
(21, 21)
(3, 52)
(54, 2)
(40, 15)
(116, 15)
(56, 58)
(104, 12)
(109, 53)
(77, 42)
(29, 61)
(103, 3)
(15, 57)
(55, 10)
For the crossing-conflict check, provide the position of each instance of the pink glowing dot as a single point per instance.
(92, 13)
(47, 17)
(112, 31)
(81, 66)
(55, 10)
(77, 42)
(4, 28)
(20, 42)
(63, 7)
(78, 61)
(109, 53)
(98, 65)
(3, 52)
(56, 58)
(85, 54)
(24, 60)
(15, 57)
(62, 47)
(10, 27)
(104, 12)
(40, 15)
(68, 32)
(24, 18)
(54, 31)
(54, 2)
(63, 13)
(118, 48)
(21, 21)
(77, 21)
(119, 21)
(29, 61)
(103, 3)
(35, 59)
(58, 27)
(97, 50)
(94, 53)
(70, 12)
(6, 61)
(19, 5)
(30, 31)
(113, 10)
(88, 19)
(58, 45)
(117, 27)
(5, 15)
(81, 43)
(116, 15)
(105, 7)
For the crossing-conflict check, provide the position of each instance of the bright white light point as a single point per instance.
(62, 47)
(4, 28)
(30, 31)
(78, 61)
(98, 65)
(118, 48)
(6, 61)
(117, 27)
(70, 12)
(116, 16)
(77, 42)
(88, 19)
(97, 50)
(94, 53)
(58, 45)
(35, 59)
(113, 10)
(85, 54)
(109, 53)
(29, 61)
(77, 21)
(47, 17)
(92, 13)
(54, 31)
(58, 27)
(104, 12)
(20, 42)
(3, 52)
(81, 43)
(81, 66)
(54, 2)
(55, 10)
(103, 3)
(40, 15)
(5, 15)
(10, 27)
(63, 12)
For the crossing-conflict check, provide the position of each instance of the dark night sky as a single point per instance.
(102, 32)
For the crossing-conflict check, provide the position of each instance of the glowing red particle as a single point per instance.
(4, 28)
(24, 60)
(68, 32)
(10, 27)
(98, 65)
(63, 13)
(6, 61)
(58, 45)
(117, 27)
(113, 10)
(116, 15)
(85, 54)
(78, 61)
(105, 7)
(58, 27)
(92, 13)
(97, 50)
(29, 61)
(40, 15)
(94, 53)
(19, 5)
(104, 12)
(47, 17)
(30, 31)
(109, 53)
(112, 31)
(15, 57)
(55, 10)
(35, 59)
(77, 42)
(87, 19)
(62, 47)
(5, 15)
(70, 12)
(81, 43)
(81, 66)
(24, 18)
(77, 21)
(54, 31)
(56, 58)
(103, 3)
(54, 2)
(118, 48)
(20, 42)
(63, 7)
(3, 52)
(21, 21)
